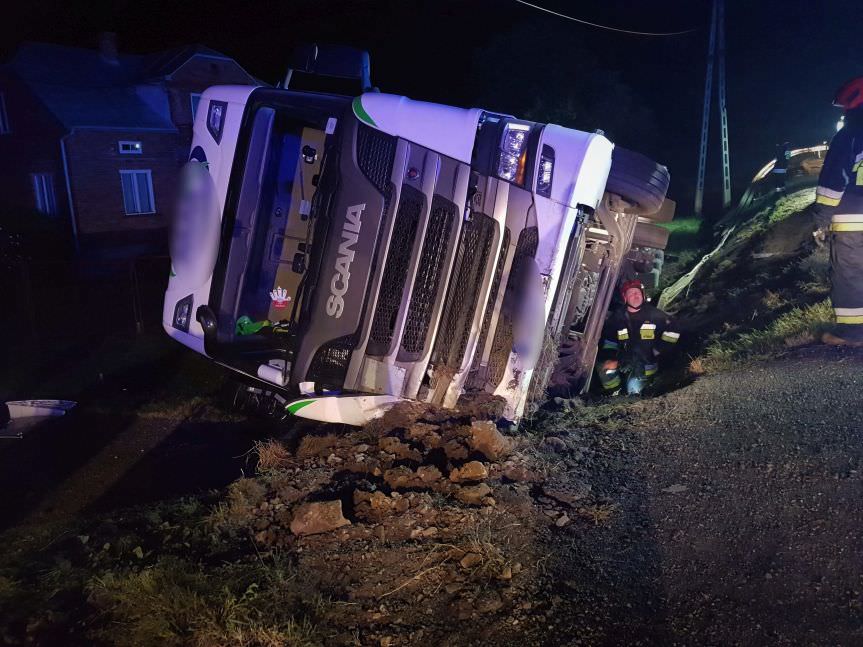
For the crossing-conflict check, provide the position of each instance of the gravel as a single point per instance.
(741, 514)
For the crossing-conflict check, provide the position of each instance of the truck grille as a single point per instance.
(395, 272)
(330, 363)
(375, 152)
(424, 294)
(492, 297)
(501, 346)
(470, 263)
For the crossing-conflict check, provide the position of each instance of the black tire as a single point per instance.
(638, 179)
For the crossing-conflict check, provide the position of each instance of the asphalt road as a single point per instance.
(750, 505)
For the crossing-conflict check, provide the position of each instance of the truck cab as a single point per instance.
(341, 254)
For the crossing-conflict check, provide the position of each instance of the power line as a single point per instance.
(606, 27)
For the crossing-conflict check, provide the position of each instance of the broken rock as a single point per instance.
(372, 506)
(470, 560)
(455, 450)
(401, 450)
(519, 474)
(401, 477)
(429, 473)
(318, 517)
(472, 494)
(555, 444)
(425, 434)
(472, 471)
(488, 602)
(572, 496)
(488, 441)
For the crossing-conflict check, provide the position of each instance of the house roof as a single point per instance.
(83, 89)
(165, 63)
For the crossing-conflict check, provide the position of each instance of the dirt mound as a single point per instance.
(424, 516)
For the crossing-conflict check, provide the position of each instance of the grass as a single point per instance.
(684, 234)
(790, 204)
(272, 455)
(681, 226)
(177, 603)
(156, 575)
(794, 328)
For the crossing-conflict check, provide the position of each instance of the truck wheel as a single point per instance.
(638, 179)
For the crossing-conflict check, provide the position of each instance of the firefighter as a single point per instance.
(838, 209)
(635, 337)
(780, 167)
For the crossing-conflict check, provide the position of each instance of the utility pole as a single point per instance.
(717, 32)
(723, 113)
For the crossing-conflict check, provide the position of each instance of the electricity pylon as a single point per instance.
(716, 42)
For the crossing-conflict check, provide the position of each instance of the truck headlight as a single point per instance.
(183, 313)
(545, 172)
(513, 152)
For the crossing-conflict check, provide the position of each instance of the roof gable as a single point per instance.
(84, 90)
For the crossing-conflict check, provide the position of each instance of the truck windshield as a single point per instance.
(273, 229)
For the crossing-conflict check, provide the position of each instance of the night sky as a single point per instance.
(785, 59)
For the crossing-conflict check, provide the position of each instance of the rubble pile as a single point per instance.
(392, 467)
(429, 507)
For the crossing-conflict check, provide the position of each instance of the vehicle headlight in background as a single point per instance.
(513, 152)
(183, 313)
(545, 172)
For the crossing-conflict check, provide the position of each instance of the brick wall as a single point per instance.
(32, 146)
(95, 163)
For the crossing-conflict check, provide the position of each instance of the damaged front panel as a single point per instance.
(337, 308)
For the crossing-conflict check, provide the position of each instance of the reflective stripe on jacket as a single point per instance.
(839, 196)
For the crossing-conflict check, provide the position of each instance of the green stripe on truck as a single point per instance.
(361, 113)
(296, 406)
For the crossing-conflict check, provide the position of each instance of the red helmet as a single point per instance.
(628, 285)
(850, 95)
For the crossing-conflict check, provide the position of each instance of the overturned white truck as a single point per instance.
(342, 254)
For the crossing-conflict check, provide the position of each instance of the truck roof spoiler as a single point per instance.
(330, 69)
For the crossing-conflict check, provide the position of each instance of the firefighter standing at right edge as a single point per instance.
(838, 211)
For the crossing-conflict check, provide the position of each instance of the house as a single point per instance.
(97, 137)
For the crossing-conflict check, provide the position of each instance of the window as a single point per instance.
(195, 98)
(4, 117)
(43, 191)
(137, 192)
(129, 147)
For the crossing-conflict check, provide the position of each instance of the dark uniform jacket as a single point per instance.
(839, 196)
(637, 339)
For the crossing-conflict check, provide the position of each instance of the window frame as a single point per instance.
(137, 197)
(5, 127)
(139, 150)
(44, 194)
(193, 104)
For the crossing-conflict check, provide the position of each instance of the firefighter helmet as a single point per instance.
(850, 95)
(628, 285)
